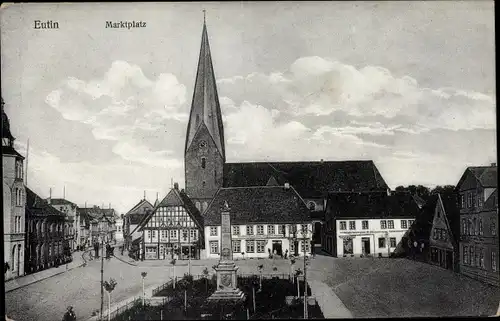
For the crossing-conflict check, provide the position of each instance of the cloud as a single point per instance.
(315, 86)
(122, 103)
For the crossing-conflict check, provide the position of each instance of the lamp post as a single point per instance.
(102, 232)
(143, 275)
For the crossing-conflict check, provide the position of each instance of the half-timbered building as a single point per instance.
(173, 230)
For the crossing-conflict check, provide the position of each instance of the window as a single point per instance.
(472, 259)
(249, 230)
(466, 255)
(270, 230)
(348, 246)
(404, 224)
(464, 226)
(364, 225)
(260, 229)
(390, 223)
(480, 226)
(154, 233)
(214, 247)
(237, 246)
(292, 247)
(311, 206)
(473, 200)
(381, 242)
(343, 226)
(383, 224)
(493, 226)
(250, 246)
(493, 261)
(173, 234)
(410, 222)
(469, 200)
(281, 229)
(462, 200)
(352, 225)
(305, 247)
(471, 230)
(392, 241)
(192, 234)
(149, 234)
(236, 230)
(481, 258)
(445, 236)
(480, 200)
(203, 162)
(163, 234)
(261, 246)
(213, 230)
(475, 226)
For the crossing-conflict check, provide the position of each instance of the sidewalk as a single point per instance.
(78, 260)
(331, 306)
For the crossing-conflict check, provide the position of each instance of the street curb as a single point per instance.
(48, 277)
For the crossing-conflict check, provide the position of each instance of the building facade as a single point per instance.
(132, 219)
(101, 223)
(14, 201)
(46, 244)
(265, 220)
(173, 230)
(119, 229)
(72, 227)
(478, 203)
(367, 224)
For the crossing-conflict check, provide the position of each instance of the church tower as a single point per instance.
(204, 154)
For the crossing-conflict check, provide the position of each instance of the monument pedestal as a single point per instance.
(227, 289)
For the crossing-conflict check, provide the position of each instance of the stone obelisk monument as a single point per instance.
(226, 269)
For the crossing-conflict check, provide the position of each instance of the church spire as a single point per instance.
(205, 107)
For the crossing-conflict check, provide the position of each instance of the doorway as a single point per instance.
(317, 233)
(277, 248)
(365, 245)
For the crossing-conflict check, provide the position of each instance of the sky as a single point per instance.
(409, 85)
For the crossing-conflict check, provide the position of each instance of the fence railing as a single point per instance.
(137, 301)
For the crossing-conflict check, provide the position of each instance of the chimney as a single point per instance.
(494, 164)
(176, 186)
(50, 196)
(321, 160)
(287, 185)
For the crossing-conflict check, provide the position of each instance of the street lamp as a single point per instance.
(103, 229)
(143, 274)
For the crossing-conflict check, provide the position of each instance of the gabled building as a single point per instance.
(264, 220)
(72, 226)
(133, 218)
(46, 245)
(173, 230)
(14, 201)
(478, 203)
(101, 223)
(367, 224)
(119, 229)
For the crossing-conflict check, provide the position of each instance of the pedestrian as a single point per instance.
(286, 254)
(69, 315)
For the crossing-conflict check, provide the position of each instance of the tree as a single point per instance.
(446, 189)
(109, 287)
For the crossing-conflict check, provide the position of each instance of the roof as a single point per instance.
(61, 201)
(139, 211)
(492, 201)
(422, 225)
(205, 107)
(96, 213)
(310, 179)
(452, 212)
(177, 198)
(486, 175)
(5, 124)
(37, 206)
(372, 205)
(8, 150)
(263, 204)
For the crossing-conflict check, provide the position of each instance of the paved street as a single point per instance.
(359, 287)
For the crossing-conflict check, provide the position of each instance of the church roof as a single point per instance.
(310, 179)
(263, 204)
(372, 205)
(205, 107)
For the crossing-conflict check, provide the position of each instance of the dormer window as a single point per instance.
(311, 206)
